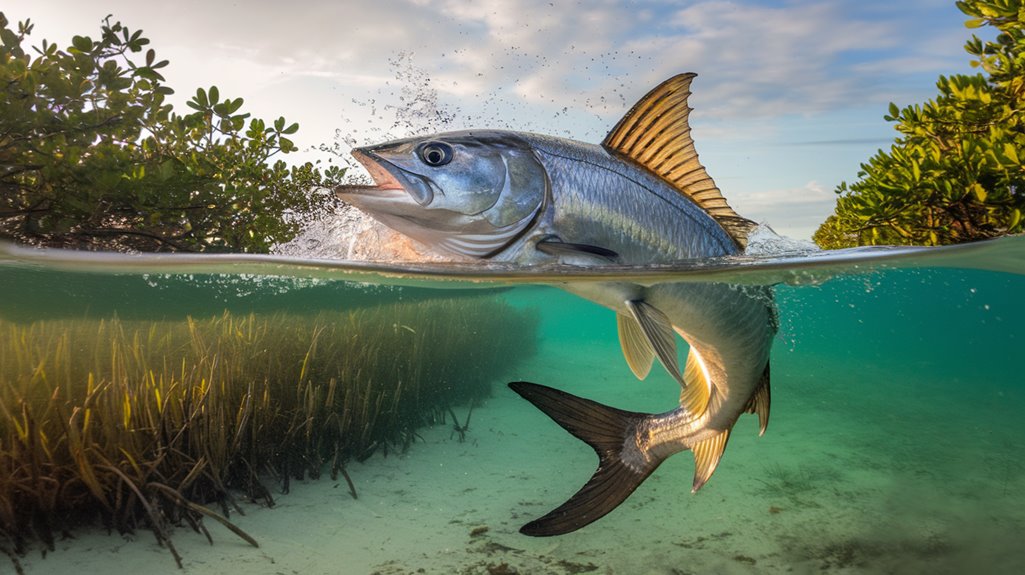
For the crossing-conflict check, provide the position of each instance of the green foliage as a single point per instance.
(955, 173)
(92, 156)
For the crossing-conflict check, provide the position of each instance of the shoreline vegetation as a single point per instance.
(135, 424)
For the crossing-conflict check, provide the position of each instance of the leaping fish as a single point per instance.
(641, 197)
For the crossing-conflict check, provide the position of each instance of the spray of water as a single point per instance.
(349, 233)
(412, 104)
(408, 105)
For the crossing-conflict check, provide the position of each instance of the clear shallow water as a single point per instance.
(895, 442)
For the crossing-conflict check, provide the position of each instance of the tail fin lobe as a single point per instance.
(605, 429)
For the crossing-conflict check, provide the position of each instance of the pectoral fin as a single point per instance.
(636, 349)
(553, 246)
(659, 332)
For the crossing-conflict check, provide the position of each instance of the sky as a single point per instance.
(789, 99)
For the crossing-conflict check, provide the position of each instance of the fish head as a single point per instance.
(468, 193)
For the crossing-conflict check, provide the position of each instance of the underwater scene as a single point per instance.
(230, 422)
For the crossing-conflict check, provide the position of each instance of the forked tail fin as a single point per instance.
(605, 429)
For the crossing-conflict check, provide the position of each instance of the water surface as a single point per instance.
(895, 440)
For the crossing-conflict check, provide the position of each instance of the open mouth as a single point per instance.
(392, 182)
(383, 179)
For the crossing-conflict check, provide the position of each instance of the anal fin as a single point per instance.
(660, 335)
(698, 389)
(636, 348)
(707, 455)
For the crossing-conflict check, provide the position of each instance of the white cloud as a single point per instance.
(755, 60)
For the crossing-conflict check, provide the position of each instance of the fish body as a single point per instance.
(640, 198)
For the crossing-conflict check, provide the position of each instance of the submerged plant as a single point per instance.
(137, 423)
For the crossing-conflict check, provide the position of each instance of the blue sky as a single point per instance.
(789, 100)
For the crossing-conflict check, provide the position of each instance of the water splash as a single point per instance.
(349, 234)
(418, 102)
(409, 105)
(764, 241)
(583, 104)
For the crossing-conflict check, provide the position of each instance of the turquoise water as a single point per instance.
(895, 442)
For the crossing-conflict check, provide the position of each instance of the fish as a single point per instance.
(640, 197)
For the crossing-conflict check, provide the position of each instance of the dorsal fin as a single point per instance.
(655, 133)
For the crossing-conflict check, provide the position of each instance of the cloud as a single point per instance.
(755, 59)
(563, 68)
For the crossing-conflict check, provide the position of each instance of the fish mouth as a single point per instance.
(392, 184)
(397, 199)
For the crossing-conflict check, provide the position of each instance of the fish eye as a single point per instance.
(435, 154)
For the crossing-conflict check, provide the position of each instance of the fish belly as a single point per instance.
(731, 327)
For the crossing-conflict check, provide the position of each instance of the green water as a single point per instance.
(896, 441)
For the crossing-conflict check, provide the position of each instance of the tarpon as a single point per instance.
(641, 197)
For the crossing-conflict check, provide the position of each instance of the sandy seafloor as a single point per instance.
(878, 459)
